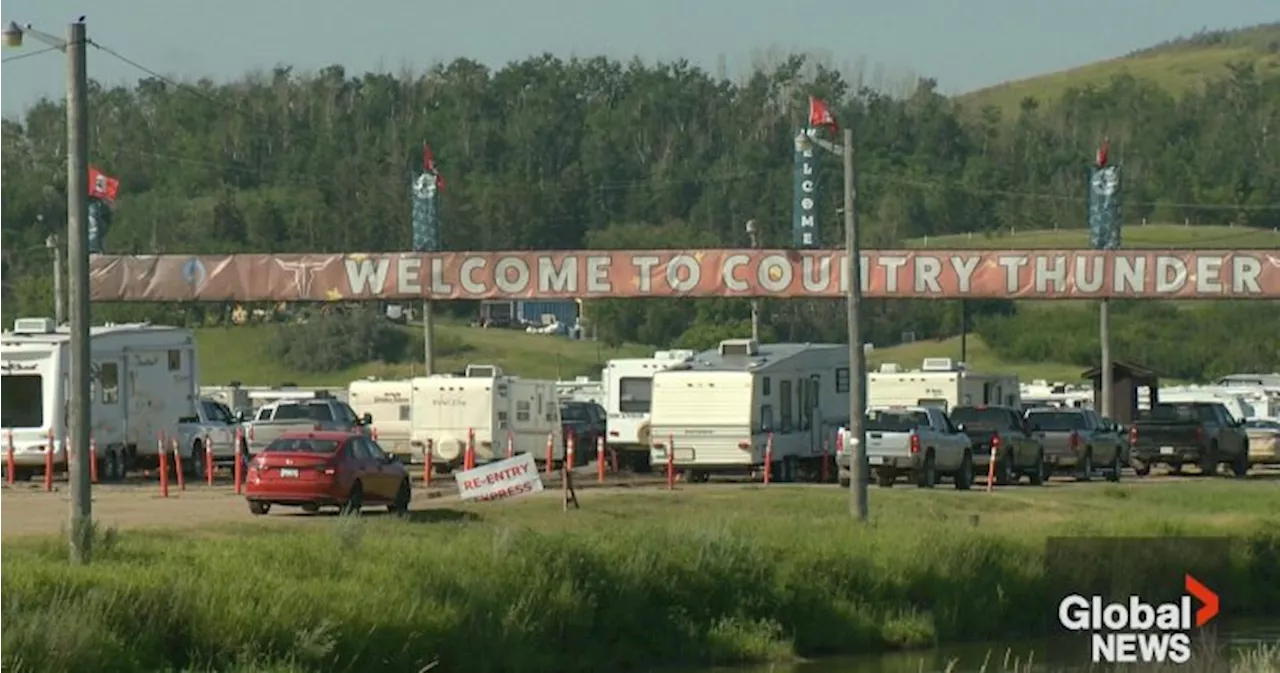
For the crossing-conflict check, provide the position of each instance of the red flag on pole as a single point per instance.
(1103, 149)
(429, 165)
(820, 115)
(102, 186)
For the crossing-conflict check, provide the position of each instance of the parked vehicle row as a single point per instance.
(925, 444)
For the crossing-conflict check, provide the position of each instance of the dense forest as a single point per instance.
(549, 153)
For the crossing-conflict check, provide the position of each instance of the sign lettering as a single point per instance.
(932, 274)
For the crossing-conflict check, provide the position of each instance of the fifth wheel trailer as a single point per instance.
(144, 379)
(718, 411)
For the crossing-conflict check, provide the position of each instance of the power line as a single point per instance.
(30, 54)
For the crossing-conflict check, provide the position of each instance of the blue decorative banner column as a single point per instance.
(804, 218)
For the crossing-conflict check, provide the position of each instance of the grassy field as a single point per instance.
(631, 581)
(980, 358)
(1178, 67)
(1151, 236)
(241, 354)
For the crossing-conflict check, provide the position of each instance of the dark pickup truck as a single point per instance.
(1005, 432)
(586, 422)
(1180, 433)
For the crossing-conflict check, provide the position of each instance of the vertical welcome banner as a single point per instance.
(804, 218)
(1104, 203)
(423, 191)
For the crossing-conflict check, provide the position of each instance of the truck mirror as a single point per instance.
(367, 419)
(240, 418)
(960, 427)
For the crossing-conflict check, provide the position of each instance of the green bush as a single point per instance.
(338, 340)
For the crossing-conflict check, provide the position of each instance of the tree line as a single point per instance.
(553, 153)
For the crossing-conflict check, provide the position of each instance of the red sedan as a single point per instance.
(316, 469)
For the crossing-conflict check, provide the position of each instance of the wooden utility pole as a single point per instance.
(858, 476)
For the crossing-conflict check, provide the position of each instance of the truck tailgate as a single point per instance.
(888, 444)
(1178, 434)
(264, 432)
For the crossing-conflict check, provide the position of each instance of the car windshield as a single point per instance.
(975, 417)
(303, 445)
(574, 412)
(1057, 421)
(896, 421)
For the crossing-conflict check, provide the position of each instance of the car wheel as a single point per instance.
(1113, 474)
(964, 476)
(1004, 469)
(310, 508)
(1240, 464)
(1209, 462)
(355, 500)
(197, 460)
(1040, 473)
(258, 508)
(927, 474)
(1086, 466)
(401, 505)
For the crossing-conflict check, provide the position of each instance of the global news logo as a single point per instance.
(1139, 632)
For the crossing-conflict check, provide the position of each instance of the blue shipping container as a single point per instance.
(565, 311)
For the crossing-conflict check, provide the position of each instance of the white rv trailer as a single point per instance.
(144, 378)
(717, 411)
(940, 383)
(1236, 401)
(258, 397)
(628, 385)
(388, 402)
(446, 409)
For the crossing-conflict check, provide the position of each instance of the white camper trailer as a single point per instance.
(144, 378)
(628, 385)
(446, 409)
(718, 411)
(581, 389)
(388, 402)
(941, 383)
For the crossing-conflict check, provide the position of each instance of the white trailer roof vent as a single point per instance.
(483, 371)
(677, 355)
(937, 365)
(748, 347)
(890, 368)
(34, 326)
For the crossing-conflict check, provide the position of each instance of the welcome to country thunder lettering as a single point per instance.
(939, 274)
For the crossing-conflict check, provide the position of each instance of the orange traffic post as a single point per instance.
(469, 458)
(164, 466)
(177, 464)
(427, 456)
(570, 451)
(375, 433)
(551, 452)
(511, 444)
(768, 460)
(10, 463)
(991, 468)
(208, 460)
(237, 470)
(600, 459)
(48, 462)
(826, 455)
(93, 459)
(671, 462)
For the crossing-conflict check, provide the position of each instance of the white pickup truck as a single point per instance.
(214, 426)
(920, 443)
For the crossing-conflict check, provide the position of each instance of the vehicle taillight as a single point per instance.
(330, 469)
(915, 443)
(318, 427)
(1199, 435)
(1075, 441)
(1133, 436)
(995, 441)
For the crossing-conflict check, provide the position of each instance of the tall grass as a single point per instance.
(627, 585)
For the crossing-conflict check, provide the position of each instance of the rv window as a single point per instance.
(635, 395)
(766, 387)
(175, 360)
(784, 398)
(802, 403)
(842, 380)
(766, 417)
(522, 411)
(404, 412)
(22, 398)
(109, 372)
(815, 389)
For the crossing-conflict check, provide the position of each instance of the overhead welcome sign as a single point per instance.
(601, 274)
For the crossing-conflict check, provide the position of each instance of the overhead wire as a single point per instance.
(30, 54)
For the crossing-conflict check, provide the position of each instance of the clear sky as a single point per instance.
(965, 44)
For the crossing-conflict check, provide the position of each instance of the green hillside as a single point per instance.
(1179, 66)
(1152, 236)
(241, 354)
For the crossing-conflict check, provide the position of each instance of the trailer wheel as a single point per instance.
(113, 465)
